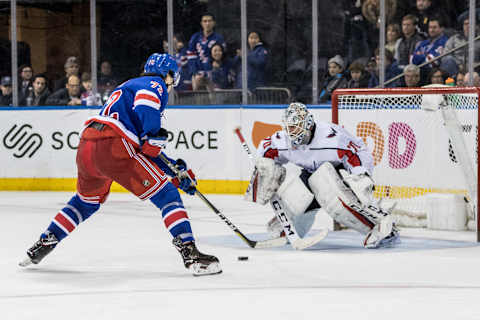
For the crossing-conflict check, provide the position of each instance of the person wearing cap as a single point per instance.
(72, 67)
(6, 88)
(334, 79)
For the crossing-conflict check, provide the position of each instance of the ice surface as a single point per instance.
(120, 264)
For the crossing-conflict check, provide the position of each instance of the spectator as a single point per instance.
(359, 77)
(391, 70)
(451, 62)
(180, 52)
(460, 79)
(335, 78)
(371, 12)
(72, 67)
(198, 52)
(409, 41)
(87, 96)
(430, 48)
(6, 98)
(25, 73)
(412, 76)
(425, 10)
(437, 76)
(221, 74)
(39, 93)
(476, 79)
(256, 63)
(393, 37)
(70, 95)
(106, 79)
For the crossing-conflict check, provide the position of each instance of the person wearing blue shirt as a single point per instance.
(123, 144)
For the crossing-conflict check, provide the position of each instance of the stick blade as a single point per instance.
(305, 243)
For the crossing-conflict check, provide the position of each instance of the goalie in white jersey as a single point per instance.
(336, 176)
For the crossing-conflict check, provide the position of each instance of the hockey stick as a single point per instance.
(277, 242)
(279, 209)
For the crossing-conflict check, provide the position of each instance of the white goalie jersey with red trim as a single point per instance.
(330, 143)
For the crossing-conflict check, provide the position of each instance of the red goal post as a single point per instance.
(425, 144)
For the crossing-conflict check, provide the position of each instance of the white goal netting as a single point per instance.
(424, 143)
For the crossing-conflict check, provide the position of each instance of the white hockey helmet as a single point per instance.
(298, 123)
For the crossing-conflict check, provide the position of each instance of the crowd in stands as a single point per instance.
(412, 44)
(414, 38)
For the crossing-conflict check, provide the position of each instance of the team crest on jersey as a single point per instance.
(277, 135)
(146, 183)
(333, 134)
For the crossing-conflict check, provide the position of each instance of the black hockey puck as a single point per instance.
(242, 258)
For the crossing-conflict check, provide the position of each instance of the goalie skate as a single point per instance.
(40, 249)
(200, 264)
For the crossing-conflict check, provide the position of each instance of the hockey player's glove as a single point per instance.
(155, 144)
(185, 179)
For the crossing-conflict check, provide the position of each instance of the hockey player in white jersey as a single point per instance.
(336, 176)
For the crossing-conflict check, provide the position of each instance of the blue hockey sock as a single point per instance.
(68, 218)
(173, 212)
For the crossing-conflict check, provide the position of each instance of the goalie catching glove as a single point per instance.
(185, 180)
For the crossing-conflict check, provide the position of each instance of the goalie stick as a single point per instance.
(279, 209)
(276, 242)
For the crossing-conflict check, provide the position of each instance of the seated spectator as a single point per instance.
(476, 79)
(460, 79)
(437, 76)
(452, 62)
(106, 77)
(87, 96)
(6, 98)
(412, 76)
(221, 68)
(25, 73)
(393, 37)
(72, 67)
(70, 95)
(433, 46)
(257, 59)
(391, 70)
(39, 93)
(335, 78)
(359, 77)
(409, 41)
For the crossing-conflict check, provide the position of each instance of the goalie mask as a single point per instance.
(298, 123)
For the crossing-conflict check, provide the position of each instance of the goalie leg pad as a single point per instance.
(338, 200)
(266, 179)
(296, 198)
(295, 195)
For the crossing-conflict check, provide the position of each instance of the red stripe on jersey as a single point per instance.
(174, 217)
(271, 153)
(64, 222)
(147, 97)
(358, 215)
(353, 159)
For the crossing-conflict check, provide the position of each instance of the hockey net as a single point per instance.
(425, 147)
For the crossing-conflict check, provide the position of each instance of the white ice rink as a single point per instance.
(120, 264)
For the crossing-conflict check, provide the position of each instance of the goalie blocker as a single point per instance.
(347, 199)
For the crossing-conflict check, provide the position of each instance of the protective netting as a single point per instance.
(414, 142)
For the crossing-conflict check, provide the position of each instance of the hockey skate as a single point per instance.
(384, 234)
(40, 249)
(200, 264)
